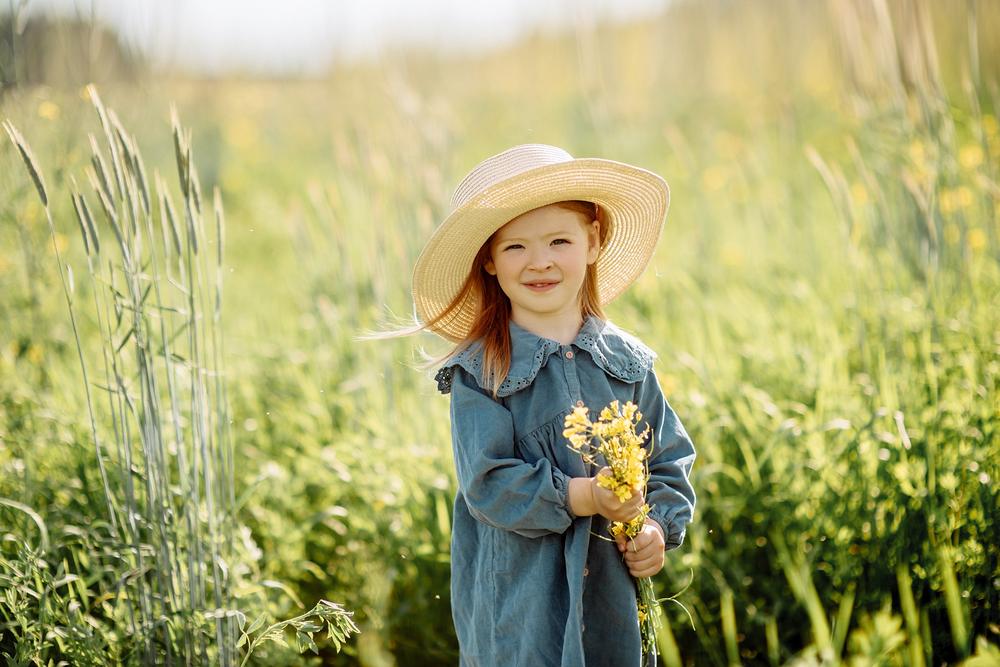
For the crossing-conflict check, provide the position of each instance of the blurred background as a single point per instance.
(196, 451)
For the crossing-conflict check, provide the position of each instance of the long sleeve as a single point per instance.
(669, 489)
(499, 488)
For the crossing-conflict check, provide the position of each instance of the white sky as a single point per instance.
(303, 36)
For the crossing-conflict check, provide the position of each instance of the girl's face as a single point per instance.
(540, 259)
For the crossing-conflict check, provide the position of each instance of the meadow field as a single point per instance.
(237, 467)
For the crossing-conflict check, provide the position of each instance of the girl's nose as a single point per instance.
(540, 260)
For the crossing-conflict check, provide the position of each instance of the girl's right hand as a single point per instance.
(606, 503)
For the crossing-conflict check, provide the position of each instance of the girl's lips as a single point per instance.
(541, 286)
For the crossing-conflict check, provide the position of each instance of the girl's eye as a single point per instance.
(560, 241)
(512, 246)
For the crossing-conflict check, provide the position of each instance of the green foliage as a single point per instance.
(338, 628)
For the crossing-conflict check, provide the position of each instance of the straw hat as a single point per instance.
(516, 181)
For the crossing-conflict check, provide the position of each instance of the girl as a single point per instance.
(517, 276)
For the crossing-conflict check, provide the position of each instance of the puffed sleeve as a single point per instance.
(499, 488)
(669, 490)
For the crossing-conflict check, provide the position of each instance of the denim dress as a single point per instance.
(532, 584)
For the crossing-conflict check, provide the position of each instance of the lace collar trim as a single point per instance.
(617, 353)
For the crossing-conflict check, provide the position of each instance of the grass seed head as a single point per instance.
(29, 161)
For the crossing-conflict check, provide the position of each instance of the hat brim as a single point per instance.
(634, 201)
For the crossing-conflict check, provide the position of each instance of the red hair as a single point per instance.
(491, 323)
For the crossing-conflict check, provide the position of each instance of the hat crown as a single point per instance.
(502, 166)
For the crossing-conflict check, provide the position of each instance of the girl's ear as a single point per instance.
(490, 267)
(593, 241)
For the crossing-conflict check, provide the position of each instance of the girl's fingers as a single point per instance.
(643, 542)
(644, 564)
(642, 546)
(635, 554)
(640, 564)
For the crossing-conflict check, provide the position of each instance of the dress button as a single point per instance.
(586, 571)
(579, 404)
(569, 354)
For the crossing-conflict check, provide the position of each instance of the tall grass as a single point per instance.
(163, 445)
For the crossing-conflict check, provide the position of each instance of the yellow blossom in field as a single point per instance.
(34, 353)
(61, 243)
(955, 199)
(731, 255)
(48, 110)
(859, 193)
(990, 124)
(241, 132)
(918, 153)
(31, 212)
(970, 156)
(714, 178)
(977, 239)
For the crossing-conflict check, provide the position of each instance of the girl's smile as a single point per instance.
(542, 286)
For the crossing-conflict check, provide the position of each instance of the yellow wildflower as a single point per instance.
(977, 239)
(955, 199)
(714, 178)
(970, 156)
(613, 441)
(731, 255)
(241, 132)
(34, 353)
(859, 193)
(48, 110)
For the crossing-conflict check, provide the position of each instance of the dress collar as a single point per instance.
(614, 351)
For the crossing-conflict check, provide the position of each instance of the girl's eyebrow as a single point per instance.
(518, 239)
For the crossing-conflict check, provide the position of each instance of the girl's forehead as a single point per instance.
(542, 221)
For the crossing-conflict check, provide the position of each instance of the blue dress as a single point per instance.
(530, 584)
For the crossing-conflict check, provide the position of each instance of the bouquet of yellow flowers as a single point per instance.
(613, 438)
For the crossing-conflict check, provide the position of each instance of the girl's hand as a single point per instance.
(606, 503)
(644, 554)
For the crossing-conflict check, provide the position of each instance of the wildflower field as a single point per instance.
(237, 471)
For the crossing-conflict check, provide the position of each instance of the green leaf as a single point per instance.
(255, 625)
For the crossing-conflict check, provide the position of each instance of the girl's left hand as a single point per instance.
(644, 553)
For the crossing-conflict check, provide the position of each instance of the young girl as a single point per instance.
(516, 276)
